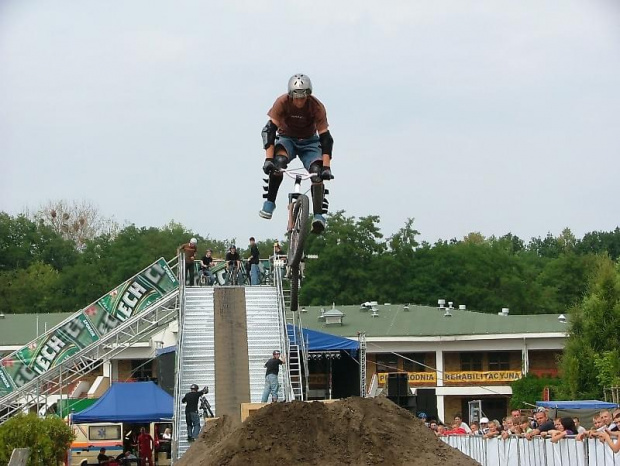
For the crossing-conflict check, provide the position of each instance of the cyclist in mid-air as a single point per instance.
(298, 126)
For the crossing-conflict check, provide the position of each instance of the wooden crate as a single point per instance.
(247, 409)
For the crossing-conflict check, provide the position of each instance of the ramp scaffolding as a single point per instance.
(226, 335)
(129, 313)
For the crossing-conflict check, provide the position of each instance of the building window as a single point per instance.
(387, 363)
(471, 361)
(499, 361)
(414, 362)
(142, 370)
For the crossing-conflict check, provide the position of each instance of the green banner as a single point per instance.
(50, 349)
(132, 297)
(85, 328)
(5, 382)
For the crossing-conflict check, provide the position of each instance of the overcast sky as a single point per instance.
(487, 116)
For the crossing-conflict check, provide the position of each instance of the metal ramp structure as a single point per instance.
(140, 307)
(129, 313)
(265, 330)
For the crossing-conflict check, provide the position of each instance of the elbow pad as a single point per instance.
(269, 134)
(327, 143)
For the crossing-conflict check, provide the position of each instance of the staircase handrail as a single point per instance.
(177, 417)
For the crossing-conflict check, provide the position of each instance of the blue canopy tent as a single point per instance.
(138, 402)
(342, 374)
(578, 404)
(320, 341)
(583, 409)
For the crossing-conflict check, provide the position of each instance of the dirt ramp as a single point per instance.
(353, 431)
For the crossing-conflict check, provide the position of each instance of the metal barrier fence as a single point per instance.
(518, 451)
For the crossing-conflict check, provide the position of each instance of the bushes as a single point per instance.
(48, 439)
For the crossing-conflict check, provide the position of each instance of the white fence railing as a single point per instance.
(518, 451)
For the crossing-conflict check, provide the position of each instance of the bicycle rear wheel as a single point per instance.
(294, 288)
(299, 232)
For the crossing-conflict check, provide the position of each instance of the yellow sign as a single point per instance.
(473, 377)
(415, 378)
(481, 376)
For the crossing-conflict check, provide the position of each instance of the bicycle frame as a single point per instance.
(298, 176)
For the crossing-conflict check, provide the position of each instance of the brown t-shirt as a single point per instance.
(299, 122)
(190, 252)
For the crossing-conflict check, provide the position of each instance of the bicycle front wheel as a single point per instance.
(299, 231)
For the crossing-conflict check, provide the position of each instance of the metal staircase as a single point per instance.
(266, 331)
(47, 366)
(195, 353)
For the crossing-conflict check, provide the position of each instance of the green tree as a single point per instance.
(48, 439)
(529, 389)
(29, 290)
(23, 242)
(349, 254)
(594, 330)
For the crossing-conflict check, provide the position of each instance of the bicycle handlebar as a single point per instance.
(296, 172)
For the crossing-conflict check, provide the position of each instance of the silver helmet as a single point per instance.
(299, 86)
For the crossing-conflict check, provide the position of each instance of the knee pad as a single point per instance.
(280, 161)
(315, 171)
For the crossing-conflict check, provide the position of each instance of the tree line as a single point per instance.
(60, 260)
(46, 268)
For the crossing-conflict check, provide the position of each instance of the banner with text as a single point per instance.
(85, 328)
(132, 297)
(480, 376)
(414, 378)
(49, 350)
(5, 383)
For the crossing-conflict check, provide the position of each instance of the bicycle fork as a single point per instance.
(292, 197)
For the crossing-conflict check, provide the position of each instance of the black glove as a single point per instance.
(326, 173)
(268, 166)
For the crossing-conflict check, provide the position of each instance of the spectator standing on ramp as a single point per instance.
(192, 418)
(205, 266)
(271, 377)
(254, 260)
(190, 250)
(145, 447)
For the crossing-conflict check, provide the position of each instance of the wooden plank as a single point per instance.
(232, 368)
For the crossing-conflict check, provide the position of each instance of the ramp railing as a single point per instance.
(178, 411)
(131, 312)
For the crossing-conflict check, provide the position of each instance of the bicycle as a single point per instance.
(205, 278)
(232, 275)
(297, 229)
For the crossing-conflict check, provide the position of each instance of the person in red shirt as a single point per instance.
(298, 127)
(145, 447)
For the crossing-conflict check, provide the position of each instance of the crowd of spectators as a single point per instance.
(239, 269)
(537, 424)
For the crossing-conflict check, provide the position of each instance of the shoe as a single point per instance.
(318, 224)
(267, 210)
(190, 439)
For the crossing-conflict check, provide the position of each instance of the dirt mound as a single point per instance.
(352, 431)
